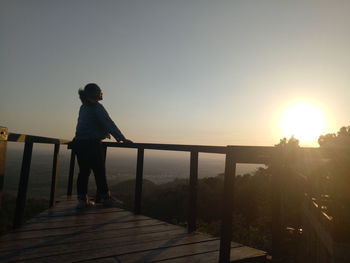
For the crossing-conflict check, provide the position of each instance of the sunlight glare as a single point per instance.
(304, 121)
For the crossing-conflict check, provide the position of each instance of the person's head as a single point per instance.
(91, 93)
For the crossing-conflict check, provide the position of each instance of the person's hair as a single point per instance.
(89, 91)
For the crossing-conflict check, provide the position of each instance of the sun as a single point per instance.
(304, 121)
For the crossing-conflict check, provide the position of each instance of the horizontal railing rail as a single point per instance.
(15, 137)
(233, 156)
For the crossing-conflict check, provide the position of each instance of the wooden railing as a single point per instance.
(233, 156)
(28, 141)
(325, 204)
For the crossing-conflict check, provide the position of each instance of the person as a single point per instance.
(94, 124)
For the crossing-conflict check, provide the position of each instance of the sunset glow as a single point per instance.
(304, 121)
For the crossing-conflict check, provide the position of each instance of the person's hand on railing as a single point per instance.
(126, 141)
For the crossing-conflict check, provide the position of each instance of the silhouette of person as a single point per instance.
(94, 125)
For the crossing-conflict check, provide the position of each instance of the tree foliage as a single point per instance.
(340, 139)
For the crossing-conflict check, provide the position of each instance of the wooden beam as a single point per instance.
(15, 137)
(281, 178)
(54, 174)
(170, 147)
(227, 208)
(3, 150)
(192, 207)
(71, 174)
(139, 179)
(23, 185)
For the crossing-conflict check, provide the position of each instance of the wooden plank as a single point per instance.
(92, 217)
(67, 215)
(86, 216)
(105, 260)
(92, 252)
(80, 219)
(120, 232)
(70, 210)
(85, 246)
(238, 254)
(76, 231)
(48, 215)
(70, 217)
(67, 229)
(75, 224)
(173, 251)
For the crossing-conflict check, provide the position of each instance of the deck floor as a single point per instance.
(111, 235)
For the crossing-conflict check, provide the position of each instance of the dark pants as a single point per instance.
(91, 156)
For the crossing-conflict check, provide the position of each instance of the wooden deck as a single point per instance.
(108, 235)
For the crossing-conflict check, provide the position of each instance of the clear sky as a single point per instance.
(179, 71)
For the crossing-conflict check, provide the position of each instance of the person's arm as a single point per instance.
(109, 124)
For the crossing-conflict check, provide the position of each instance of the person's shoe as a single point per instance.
(110, 201)
(82, 204)
(98, 198)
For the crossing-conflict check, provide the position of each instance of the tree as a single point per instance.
(336, 149)
(341, 139)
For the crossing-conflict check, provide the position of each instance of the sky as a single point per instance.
(179, 72)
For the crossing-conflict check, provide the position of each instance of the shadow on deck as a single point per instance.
(62, 234)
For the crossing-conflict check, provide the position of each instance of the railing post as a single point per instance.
(138, 183)
(104, 155)
(227, 208)
(23, 184)
(104, 149)
(277, 185)
(3, 148)
(71, 174)
(54, 174)
(340, 200)
(192, 208)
